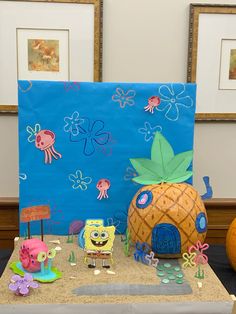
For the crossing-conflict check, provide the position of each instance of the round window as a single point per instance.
(201, 223)
(144, 199)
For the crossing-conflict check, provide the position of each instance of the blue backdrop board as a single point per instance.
(71, 135)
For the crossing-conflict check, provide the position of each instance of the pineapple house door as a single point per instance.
(166, 239)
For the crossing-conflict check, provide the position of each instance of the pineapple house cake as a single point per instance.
(166, 212)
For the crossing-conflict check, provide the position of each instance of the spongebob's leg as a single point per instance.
(104, 264)
(93, 263)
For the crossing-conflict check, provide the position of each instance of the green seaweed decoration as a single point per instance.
(70, 238)
(164, 165)
(72, 258)
(127, 242)
(200, 273)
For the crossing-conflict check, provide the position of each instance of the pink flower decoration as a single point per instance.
(199, 248)
(71, 86)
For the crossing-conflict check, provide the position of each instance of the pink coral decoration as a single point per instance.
(28, 254)
(199, 248)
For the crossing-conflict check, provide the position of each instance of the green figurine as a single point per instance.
(200, 273)
(127, 242)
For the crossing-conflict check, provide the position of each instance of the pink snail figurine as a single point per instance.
(44, 141)
(29, 251)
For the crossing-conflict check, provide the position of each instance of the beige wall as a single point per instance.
(8, 156)
(146, 41)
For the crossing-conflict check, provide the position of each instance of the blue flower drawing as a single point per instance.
(79, 182)
(124, 98)
(173, 99)
(130, 173)
(22, 176)
(72, 123)
(120, 220)
(91, 134)
(110, 222)
(32, 132)
(149, 131)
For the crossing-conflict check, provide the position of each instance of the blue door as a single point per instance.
(166, 239)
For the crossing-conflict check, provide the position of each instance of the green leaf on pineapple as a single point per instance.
(147, 167)
(146, 180)
(179, 177)
(179, 163)
(164, 166)
(161, 151)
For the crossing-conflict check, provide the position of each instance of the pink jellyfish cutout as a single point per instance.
(103, 185)
(153, 102)
(44, 141)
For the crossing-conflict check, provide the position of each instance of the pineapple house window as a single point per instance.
(144, 199)
(201, 223)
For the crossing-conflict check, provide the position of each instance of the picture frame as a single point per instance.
(39, 57)
(211, 38)
(48, 40)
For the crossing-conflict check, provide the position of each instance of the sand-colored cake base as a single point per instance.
(126, 271)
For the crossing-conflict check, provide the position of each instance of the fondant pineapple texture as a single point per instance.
(167, 214)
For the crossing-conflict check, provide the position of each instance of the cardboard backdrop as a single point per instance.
(97, 128)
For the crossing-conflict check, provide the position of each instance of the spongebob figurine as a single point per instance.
(98, 244)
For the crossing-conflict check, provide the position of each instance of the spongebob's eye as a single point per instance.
(51, 253)
(41, 257)
(94, 234)
(104, 235)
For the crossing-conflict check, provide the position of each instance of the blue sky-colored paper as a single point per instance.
(109, 126)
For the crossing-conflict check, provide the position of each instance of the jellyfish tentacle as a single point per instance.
(53, 149)
(49, 155)
(100, 195)
(45, 156)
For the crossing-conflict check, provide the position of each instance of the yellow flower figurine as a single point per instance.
(189, 260)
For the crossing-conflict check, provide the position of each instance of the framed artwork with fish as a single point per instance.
(212, 60)
(43, 54)
(48, 40)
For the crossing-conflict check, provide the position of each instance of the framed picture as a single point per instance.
(48, 40)
(43, 54)
(212, 60)
(227, 77)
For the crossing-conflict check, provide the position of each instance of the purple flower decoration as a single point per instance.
(92, 134)
(21, 285)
